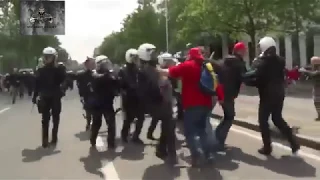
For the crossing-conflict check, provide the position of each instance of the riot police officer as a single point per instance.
(157, 101)
(271, 88)
(48, 94)
(84, 79)
(166, 148)
(131, 102)
(103, 89)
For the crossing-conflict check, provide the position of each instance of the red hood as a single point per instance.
(195, 54)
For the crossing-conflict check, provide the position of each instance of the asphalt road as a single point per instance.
(22, 158)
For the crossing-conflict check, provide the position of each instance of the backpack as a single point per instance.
(208, 79)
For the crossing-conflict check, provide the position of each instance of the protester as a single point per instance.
(315, 74)
(233, 69)
(197, 105)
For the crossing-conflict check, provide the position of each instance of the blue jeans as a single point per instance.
(212, 138)
(195, 123)
(223, 128)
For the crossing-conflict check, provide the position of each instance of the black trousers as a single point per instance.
(167, 142)
(179, 107)
(153, 126)
(50, 106)
(224, 126)
(274, 108)
(88, 116)
(131, 112)
(109, 116)
(88, 111)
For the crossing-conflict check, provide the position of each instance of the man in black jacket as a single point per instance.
(48, 93)
(84, 78)
(270, 80)
(233, 69)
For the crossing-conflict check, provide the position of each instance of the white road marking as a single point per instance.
(300, 152)
(108, 170)
(4, 110)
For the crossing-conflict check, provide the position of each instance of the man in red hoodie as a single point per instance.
(197, 105)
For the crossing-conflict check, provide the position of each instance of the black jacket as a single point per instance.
(148, 88)
(233, 69)
(15, 79)
(128, 76)
(49, 81)
(84, 78)
(269, 71)
(105, 87)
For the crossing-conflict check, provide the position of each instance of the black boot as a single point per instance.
(54, 139)
(111, 144)
(266, 150)
(55, 129)
(88, 127)
(45, 138)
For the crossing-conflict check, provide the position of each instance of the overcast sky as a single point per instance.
(89, 21)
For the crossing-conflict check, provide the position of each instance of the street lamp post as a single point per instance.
(167, 25)
(1, 56)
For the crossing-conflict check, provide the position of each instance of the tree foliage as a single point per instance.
(189, 20)
(18, 50)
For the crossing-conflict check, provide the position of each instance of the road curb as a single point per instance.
(305, 141)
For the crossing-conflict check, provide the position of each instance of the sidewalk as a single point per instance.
(303, 89)
(298, 112)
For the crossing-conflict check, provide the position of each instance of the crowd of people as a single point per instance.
(21, 81)
(147, 84)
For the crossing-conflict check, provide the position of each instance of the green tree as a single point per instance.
(144, 25)
(234, 17)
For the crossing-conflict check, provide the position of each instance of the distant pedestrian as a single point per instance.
(315, 75)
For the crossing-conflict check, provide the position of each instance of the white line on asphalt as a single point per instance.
(108, 170)
(4, 110)
(308, 155)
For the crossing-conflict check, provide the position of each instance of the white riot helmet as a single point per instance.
(146, 52)
(101, 58)
(131, 55)
(266, 42)
(163, 58)
(103, 63)
(49, 55)
(49, 51)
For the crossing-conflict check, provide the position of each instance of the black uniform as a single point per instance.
(270, 80)
(103, 91)
(84, 79)
(48, 87)
(131, 101)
